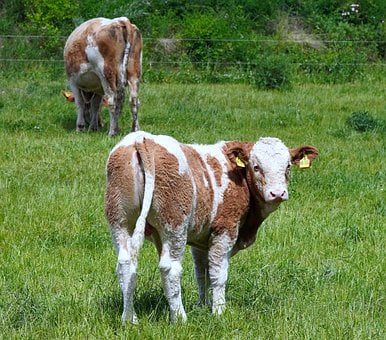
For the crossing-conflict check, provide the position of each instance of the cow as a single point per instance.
(211, 197)
(103, 56)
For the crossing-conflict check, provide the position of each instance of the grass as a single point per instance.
(316, 270)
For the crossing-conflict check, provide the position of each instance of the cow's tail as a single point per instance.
(146, 157)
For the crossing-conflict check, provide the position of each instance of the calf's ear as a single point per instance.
(237, 154)
(298, 153)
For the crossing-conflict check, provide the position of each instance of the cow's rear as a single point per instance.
(102, 57)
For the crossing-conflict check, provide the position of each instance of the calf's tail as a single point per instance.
(146, 157)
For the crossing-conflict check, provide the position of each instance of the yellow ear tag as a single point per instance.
(239, 163)
(304, 162)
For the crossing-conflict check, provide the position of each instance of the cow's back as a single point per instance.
(75, 47)
(108, 35)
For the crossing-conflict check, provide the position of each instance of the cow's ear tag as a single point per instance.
(304, 162)
(239, 163)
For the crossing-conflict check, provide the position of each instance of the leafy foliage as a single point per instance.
(362, 121)
(328, 41)
(273, 72)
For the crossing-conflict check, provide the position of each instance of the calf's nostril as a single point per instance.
(278, 195)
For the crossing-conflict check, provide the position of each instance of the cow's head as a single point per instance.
(68, 95)
(267, 164)
(71, 98)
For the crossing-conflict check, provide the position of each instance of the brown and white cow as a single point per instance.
(212, 197)
(102, 56)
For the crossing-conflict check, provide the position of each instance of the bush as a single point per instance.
(362, 121)
(273, 72)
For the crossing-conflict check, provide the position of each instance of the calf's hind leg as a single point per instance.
(126, 271)
(171, 271)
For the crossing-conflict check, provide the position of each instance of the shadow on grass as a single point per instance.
(68, 123)
(150, 304)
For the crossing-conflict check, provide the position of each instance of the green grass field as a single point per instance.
(316, 271)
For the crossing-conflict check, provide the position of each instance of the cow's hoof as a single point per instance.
(93, 128)
(113, 133)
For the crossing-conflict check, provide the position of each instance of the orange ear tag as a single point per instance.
(239, 163)
(304, 162)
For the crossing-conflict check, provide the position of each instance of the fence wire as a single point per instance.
(13, 50)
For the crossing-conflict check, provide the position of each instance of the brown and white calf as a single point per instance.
(103, 56)
(212, 197)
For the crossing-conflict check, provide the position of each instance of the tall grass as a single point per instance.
(316, 270)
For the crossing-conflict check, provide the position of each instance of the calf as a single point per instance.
(101, 57)
(212, 197)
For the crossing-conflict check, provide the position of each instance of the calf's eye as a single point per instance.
(288, 170)
(256, 168)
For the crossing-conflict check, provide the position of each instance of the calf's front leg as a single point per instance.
(218, 256)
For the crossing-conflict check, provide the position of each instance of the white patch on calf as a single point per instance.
(138, 182)
(106, 22)
(205, 181)
(170, 144)
(214, 151)
(131, 139)
(272, 158)
(174, 148)
(93, 55)
(124, 63)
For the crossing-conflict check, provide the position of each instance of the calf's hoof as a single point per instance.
(80, 128)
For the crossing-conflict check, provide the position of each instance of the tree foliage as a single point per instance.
(216, 31)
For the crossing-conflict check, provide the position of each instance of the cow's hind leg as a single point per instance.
(134, 102)
(80, 107)
(115, 103)
(95, 111)
(201, 268)
(171, 271)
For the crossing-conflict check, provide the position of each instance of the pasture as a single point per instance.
(316, 270)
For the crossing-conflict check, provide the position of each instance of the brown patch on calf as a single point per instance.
(248, 229)
(216, 167)
(173, 192)
(111, 52)
(75, 54)
(134, 67)
(204, 192)
(234, 207)
(75, 49)
(120, 177)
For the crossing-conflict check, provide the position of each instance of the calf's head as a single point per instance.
(267, 164)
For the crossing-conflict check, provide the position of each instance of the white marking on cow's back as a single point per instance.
(106, 22)
(125, 60)
(93, 55)
(170, 144)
